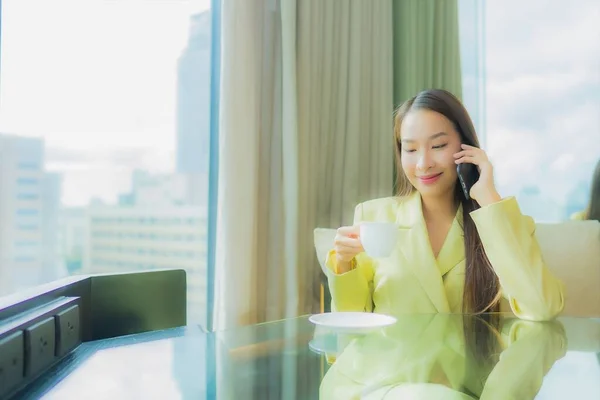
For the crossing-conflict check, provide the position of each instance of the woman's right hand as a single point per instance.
(347, 245)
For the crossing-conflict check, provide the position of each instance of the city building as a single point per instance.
(193, 98)
(72, 232)
(29, 206)
(153, 228)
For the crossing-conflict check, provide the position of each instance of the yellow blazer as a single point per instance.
(428, 356)
(412, 280)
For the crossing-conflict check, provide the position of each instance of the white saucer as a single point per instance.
(352, 322)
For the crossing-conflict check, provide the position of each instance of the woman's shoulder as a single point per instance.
(578, 216)
(384, 208)
(379, 203)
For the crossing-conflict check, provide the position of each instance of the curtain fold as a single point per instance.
(290, 154)
(306, 122)
(308, 91)
(249, 229)
(426, 47)
(344, 53)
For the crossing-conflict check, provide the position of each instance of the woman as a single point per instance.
(454, 254)
(446, 356)
(593, 209)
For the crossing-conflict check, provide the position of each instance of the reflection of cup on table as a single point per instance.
(378, 238)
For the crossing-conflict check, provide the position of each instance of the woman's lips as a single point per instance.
(430, 178)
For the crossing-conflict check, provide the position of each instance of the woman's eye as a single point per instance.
(409, 150)
(440, 146)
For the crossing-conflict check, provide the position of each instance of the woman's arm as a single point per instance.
(351, 290)
(532, 349)
(509, 241)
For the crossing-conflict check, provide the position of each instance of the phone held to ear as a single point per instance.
(468, 175)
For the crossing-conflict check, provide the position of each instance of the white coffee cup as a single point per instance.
(378, 238)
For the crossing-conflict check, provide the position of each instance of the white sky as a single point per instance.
(543, 92)
(96, 79)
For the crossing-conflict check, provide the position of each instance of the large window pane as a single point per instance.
(471, 17)
(104, 131)
(543, 102)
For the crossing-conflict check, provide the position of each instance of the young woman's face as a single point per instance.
(429, 142)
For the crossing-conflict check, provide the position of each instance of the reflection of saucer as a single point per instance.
(331, 344)
(324, 344)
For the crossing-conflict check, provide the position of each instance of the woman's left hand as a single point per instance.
(483, 191)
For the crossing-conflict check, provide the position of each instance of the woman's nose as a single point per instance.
(424, 162)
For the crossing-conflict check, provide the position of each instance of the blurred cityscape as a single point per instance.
(160, 223)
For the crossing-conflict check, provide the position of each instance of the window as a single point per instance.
(27, 196)
(27, 211)
(22, 260)
(26, 227)
(26, 243)
(539, 98)
(104, 121)
(471, 17)
(543, 119)
(29, 166)
(27, 181)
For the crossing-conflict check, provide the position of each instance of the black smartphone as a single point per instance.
(468, 174)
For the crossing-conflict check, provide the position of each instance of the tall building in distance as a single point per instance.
(161, 222)
(153, 227)
(53, 263)
(156, 190)
(71, 234)
(29, 207)
(193, 98)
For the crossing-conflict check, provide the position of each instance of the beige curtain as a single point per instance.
(250, 266)
(305, 133)
(345, 108)
(307, 97)
(426, 47)
(344, 116)
(426, 44)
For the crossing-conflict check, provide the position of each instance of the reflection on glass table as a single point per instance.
(421, 356)
(447, 357)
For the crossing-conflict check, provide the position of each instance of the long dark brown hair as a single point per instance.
(482, 287)
(593, 211)
(483, 345)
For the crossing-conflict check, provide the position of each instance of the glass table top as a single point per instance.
(434, 356)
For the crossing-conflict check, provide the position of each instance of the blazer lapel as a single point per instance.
(416, 248)
(453, 250)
